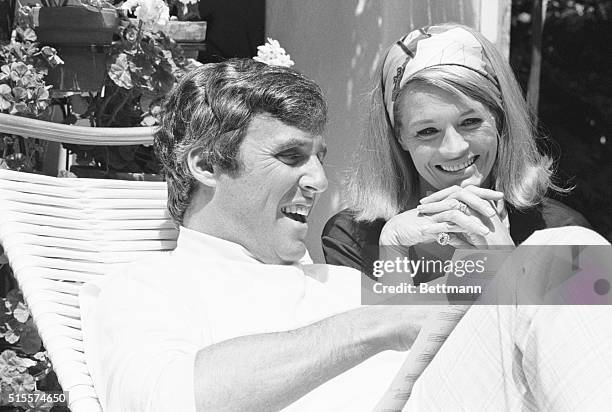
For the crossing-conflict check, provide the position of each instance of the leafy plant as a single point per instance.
(23, 67)
(23, 91)
(24, 367)
(144, 64)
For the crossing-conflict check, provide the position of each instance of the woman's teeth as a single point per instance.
(461, 166)
(296, 212)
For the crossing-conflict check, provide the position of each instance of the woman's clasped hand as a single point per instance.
(470, 215)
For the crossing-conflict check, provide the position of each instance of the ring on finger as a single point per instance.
(462, 207)
(443, 238)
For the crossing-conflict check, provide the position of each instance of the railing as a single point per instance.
(56, 132)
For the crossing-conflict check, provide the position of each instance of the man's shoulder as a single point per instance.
(152, 273)
(157, 266)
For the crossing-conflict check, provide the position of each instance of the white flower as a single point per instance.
(185, 3)
(40, 356)
(152, 13)
(273, 54)
(21, 312)
(10, 336)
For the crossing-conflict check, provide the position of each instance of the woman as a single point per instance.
(448, 160)
(449, 154)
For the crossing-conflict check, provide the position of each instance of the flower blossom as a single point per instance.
(273, 54)
(186, 3)
(152, 13)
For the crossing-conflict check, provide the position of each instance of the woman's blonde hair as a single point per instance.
(383, 180)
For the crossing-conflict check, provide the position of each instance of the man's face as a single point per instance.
(266, 206)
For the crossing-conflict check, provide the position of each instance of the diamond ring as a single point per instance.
(462, 207)
(443, 238)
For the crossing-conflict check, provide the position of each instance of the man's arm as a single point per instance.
(270, 371)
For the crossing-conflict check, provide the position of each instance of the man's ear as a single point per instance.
(200, 169)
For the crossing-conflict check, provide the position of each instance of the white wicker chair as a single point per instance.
(61, 232)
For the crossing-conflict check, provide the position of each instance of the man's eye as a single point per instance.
(471, 122)
(428, 132)
(291, 158)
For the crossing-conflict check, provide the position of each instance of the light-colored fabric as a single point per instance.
(524, 357)
(428, 47)
(144, 325)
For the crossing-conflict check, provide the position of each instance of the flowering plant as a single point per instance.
(23, 91)
(23, 67)
(272, 53)
(23, 366)
(143, 65)
(152, 14)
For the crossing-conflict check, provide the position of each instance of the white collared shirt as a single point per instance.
(144, 325)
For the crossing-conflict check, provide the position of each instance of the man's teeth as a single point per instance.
(454, 168)
(296, 212)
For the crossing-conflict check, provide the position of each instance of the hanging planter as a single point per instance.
(82, 36)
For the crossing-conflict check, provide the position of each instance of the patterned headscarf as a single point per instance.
(428, 47)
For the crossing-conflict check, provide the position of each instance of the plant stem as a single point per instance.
(119, 106)
(139, 36)
(105, 102)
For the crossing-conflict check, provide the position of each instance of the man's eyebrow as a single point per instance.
(293, 142)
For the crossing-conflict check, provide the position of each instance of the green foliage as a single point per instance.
(23, 67)
(23, 92)
(22, 363)
(575, 107)
(143, 67)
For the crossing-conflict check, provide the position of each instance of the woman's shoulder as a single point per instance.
(344, 238)
(557, 214)
(549, 213)
(344, 226)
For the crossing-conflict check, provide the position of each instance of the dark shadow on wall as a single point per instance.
(235, 28)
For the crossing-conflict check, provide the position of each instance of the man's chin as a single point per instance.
(292, 252)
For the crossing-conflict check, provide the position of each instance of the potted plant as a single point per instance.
(24, 92)
(82, 32)
(144, 63)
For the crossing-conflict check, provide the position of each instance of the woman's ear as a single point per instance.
(200, 169)
(401, 142)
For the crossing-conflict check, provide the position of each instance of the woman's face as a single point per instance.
(452, 140)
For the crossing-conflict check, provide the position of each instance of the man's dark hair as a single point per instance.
(211, 109)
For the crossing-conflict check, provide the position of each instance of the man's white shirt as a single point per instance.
(144, 325)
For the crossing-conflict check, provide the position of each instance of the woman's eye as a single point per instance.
(471, 122)
(428, 132)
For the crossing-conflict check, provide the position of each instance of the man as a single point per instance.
(230, 320)
(236, 319)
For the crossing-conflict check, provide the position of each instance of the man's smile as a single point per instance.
(297, 211)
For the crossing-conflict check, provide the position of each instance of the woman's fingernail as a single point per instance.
(485, 231)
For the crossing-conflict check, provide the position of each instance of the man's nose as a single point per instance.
(454, 144)
(314, 179)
